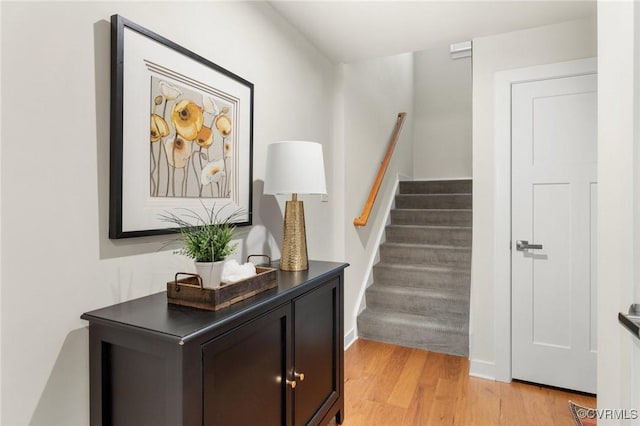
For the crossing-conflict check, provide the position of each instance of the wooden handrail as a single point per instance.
(373, 194)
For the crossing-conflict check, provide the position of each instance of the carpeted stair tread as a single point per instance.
(417, 292)
(436, 186)
(431, 217)
(436, 246)
(423, 269)
(448, 325)
(445, 302)
(417, 331)
(434, 227)
(434, 201)
(451, 280)
(425, 254)
(429, 234)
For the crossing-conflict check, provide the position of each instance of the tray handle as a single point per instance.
(188, 274)
(260, 255)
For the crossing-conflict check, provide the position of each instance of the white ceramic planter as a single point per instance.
(211, 273)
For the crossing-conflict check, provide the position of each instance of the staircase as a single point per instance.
(420, 292)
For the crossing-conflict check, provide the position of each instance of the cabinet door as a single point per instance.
(317, 331)
(245, 373)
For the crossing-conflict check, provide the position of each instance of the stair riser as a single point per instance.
(456, 201)
(402, 334)
(455, 309)
(419, 235)
(436, 187)
(454, 281)
(425, 256)
(431, 217)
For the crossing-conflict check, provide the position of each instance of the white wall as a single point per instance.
(0, 220)
(375, 91)
(57, 261)
(537, 46)
(618, 199)
(442, 119)
(633, 376)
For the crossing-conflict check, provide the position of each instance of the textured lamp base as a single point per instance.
(294, 242)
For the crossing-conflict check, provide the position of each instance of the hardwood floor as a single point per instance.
(394, 385)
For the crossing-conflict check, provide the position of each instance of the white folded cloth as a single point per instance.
(234, 272)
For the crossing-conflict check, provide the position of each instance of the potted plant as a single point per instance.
(206, 238)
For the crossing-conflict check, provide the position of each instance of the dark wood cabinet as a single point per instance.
(243, 370)
(316, 345)
(275, 359)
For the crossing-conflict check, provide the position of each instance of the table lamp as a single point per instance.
(294, 167)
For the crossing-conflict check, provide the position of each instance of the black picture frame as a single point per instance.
(147, 71)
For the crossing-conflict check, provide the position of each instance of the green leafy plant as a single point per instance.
(204, 237)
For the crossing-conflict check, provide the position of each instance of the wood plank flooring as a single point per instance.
(393, 385)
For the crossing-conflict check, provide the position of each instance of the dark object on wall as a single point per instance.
(274, 359)
(181, 133)
(631, 320)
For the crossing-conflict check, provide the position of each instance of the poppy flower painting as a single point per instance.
(196, 131)
(181, 134)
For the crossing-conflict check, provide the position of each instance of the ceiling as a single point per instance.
(348, 31)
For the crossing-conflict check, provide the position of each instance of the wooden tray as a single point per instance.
(188, 291)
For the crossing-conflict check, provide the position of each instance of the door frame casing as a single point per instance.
(503, 82)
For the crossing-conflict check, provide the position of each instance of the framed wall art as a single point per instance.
(181, 133)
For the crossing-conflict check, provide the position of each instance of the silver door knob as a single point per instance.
(522, 245)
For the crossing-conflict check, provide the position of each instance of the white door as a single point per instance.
(554, 190)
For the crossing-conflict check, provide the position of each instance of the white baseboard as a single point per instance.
(350, 338)
(482, 369)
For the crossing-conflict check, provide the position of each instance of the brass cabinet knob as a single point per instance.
(299, 376)
(292, 383)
